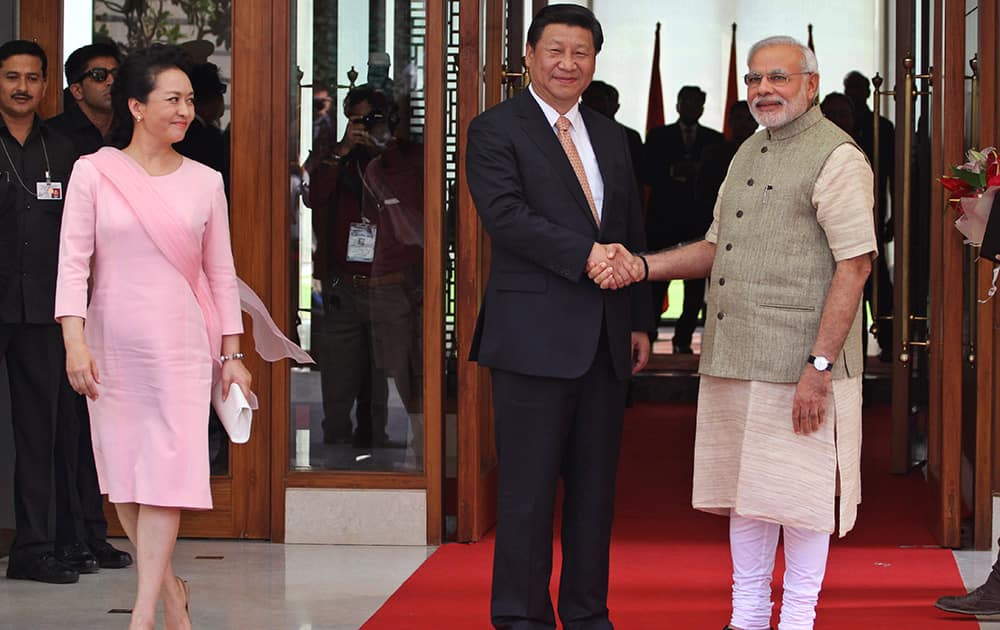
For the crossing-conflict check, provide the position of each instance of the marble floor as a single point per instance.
(258, 585)
(234, 585)
(975, 566)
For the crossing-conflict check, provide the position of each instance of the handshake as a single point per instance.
(612, 266)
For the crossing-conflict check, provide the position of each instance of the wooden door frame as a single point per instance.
(243, 513)
(985, 347)
(946, 354)
(41, 21)
(432, 478)
(476, 509)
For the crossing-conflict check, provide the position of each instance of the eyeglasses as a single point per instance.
(99, 75)
(777, 79)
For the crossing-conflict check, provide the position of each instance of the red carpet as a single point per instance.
(670, 565)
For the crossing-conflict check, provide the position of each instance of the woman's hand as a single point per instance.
(81, 369)
(233, 371)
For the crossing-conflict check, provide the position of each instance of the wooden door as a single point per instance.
(501, 46)
(950, 357)
(241, 493)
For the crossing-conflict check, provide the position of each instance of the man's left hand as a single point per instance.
(811, 395)
(640, 350)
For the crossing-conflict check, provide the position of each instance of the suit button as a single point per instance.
(729, 247)
(722, 282)
(763, 149)
(720, 315)
(739, 214)
(750, 182)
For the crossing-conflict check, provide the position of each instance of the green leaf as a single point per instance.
(976, 180)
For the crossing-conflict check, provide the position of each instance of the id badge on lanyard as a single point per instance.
(361, 242)
(48, 190)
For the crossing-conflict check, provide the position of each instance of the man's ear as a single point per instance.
(812, 86)
(77, 91)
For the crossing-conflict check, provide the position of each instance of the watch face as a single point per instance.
(821, 363)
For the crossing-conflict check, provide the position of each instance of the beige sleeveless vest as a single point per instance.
(773, 265)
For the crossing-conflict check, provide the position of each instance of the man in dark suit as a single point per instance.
(35, 163)
(204, 142)
(672, 161)
(858, 89)
(603, 97)
(81, 528)
(552, 181)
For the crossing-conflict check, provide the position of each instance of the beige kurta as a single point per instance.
(747, 456)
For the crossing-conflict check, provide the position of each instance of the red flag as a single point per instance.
(812, 46)
(732, 89)
(654, 110)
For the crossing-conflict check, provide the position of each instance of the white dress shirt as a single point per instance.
(578, 132)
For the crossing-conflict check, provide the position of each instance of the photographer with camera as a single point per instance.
(366, 194)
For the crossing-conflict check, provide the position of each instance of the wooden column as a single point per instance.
(434, 264)
(469, 283)
(985, 363)
(946, 354)
(41, 21)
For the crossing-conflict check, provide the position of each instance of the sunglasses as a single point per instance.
(99, 75)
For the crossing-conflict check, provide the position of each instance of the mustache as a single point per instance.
(18, 94)
(768, 100)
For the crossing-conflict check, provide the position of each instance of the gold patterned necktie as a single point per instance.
(562, 124)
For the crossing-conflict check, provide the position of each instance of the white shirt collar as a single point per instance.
(552, 115)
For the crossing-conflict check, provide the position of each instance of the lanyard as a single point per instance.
(48, 169)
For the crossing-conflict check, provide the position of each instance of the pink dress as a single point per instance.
(146, 331)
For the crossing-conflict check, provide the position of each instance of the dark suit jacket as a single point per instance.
(865, 133)
(204, 143)
(541, 315)
(75, 125)
(673, 215)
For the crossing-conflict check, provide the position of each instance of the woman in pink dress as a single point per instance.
(163, 320)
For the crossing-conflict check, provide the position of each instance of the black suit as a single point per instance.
(560, 354)
(30, 339)
(865, 134)
(674, 215)
(79, 507)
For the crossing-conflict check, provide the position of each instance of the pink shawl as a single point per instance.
(182, 248)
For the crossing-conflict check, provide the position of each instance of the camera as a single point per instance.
(371, 119)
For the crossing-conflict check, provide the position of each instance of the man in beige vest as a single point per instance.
(779, 406)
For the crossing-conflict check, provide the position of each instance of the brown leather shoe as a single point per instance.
(985, 600)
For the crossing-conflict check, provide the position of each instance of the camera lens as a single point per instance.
(372, 119)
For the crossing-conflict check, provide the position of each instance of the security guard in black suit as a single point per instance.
(35, 164)
(81, 537)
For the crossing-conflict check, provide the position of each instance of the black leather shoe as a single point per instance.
(683, 349)
(108, 557)
(77, 557)
(41, 568)
(985, 600)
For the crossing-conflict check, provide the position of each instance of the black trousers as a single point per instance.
(79, 509)
(694, 301)
(34, 354)
(547, 428)
(885, 306)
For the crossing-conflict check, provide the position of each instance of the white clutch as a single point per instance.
(235, 413)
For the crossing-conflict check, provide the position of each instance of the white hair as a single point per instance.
(809, 63)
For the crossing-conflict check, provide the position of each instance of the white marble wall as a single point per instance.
(337, 516)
